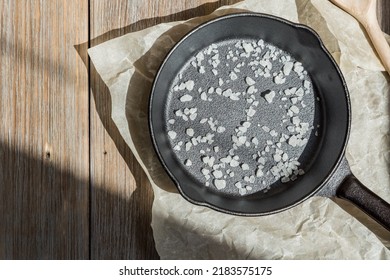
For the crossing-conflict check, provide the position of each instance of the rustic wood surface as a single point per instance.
(69, 186)
(44, 139)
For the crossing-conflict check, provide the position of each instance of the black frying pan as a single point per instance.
(327, 110)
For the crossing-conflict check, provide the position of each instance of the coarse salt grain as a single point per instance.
(249, 81)
(269, 97)
(172, 134)
(219, 184)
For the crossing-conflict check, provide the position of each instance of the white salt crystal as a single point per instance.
(285, 179)
(245, 166)
(233, 76)
(227, 92)
(206, 159)
(273, 133)
(234, 96)
(293, 141)
(172, 134)
(294, 100)
(266, 128)
(277, 158)
(246, 124)
(250, 112)
(250, 90)
(220, 184)
(220, 129)
(217, 174)
(193, 116)
(211, 161)
(261, 160)
(259, 172)
(190, 132)
(234, 163)
(247, 47)
(193, 110)
(242, 129)
(242, 139)
(296, 120)
(242, 191)
(177, 148)
(188, 146)
(298, 68)
(279, 79)
(226, 159)
(288, 66)
(190, 85)
(299, 92)
(269, 96)
(255, 141)
(200, 56)
(249, 81)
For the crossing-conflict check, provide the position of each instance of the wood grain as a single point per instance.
(44, 152)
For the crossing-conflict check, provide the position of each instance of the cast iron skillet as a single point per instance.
(327, 171)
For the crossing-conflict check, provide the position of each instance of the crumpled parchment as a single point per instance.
(315, 229)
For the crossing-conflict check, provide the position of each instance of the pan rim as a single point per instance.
(329, 174)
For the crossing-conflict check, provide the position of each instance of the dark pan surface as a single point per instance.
(325, 109)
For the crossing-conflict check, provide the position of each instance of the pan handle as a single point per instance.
(353, 190)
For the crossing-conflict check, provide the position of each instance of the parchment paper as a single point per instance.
(317, 228)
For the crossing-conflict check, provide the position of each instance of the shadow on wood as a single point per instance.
(50, 221)
(43, 210)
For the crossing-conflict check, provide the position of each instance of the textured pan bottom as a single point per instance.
(242, 117)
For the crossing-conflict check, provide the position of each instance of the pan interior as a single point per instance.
(240, 114)
(176, 119)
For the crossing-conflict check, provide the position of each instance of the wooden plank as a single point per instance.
(44, 136)
(121, 196)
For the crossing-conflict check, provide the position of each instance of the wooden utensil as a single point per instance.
(365, 12)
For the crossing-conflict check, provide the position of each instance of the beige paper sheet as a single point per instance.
(315, 229)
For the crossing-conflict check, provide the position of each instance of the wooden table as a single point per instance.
(69, 186)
